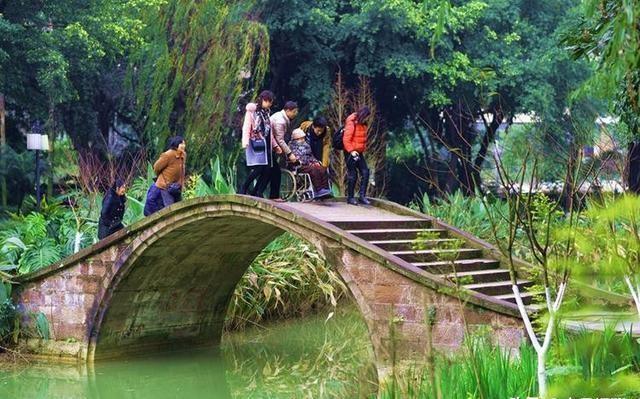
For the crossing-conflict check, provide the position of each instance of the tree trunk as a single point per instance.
(466, 170)
(489, 136)
(633, 167)
(3, 155)
(457, 138)
(52, 148)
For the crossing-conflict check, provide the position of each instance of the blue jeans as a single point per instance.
(157, 199)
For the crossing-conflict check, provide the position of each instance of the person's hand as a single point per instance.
(292, 158)
(354, 153)
(278, 150)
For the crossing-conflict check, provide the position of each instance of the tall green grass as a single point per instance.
(479, 370)
(582, 364)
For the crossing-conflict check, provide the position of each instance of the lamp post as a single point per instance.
(37, 141)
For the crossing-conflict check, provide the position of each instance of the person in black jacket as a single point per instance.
(112, 210)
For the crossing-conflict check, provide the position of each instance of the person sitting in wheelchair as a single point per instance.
(307, 163)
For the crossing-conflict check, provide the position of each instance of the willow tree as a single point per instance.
(609, 35)
(198, 60)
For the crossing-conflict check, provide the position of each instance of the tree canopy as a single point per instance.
(60, 62)
(435, 65)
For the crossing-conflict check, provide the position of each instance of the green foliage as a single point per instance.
(467, 213)
(287, 279)
(586, 363)
(60, 55)
(606, 248)
(521, 140)
(7, 311)
(29, 242)
(187, 82)
(436, 66)
(608, 33)
(595, 363)
(196, 186)
(42, 325)
(480, 370)
(19, 173)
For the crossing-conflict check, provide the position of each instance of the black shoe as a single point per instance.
(352, 201)
(364, 201)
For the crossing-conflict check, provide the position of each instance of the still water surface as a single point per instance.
(308, 358)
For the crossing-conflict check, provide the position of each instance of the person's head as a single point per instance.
(119, 186)
(265, 99)
(291, 109)
(298, 135)
(177, 143)
(319, 125)
(363, 115)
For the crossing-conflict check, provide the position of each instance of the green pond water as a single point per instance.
(309, 358)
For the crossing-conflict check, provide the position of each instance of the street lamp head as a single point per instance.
(37, 139)
(38, 142)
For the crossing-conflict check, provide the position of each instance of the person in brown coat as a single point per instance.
(170, 169)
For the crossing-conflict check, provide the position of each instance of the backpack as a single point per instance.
(336, 139)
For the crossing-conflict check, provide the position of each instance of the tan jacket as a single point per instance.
(170, 168)
(326, 141)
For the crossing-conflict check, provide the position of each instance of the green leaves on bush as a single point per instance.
(287, 279)
(42, 325)
(196, 186)
(7, 311)
(38, 239)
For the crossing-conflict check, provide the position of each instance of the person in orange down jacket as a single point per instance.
(355, 145)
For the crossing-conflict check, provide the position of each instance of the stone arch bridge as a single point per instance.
(166, 281)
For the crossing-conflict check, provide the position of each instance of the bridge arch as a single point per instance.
(174, 283)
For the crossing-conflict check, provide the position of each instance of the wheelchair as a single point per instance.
(296, 184)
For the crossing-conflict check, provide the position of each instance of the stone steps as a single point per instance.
(396, 234)
(460, 265)
(527, 298)
(434, 251)
(430, 255)
(404, 245)
(497, 288)
(383, 224)
(478, 276)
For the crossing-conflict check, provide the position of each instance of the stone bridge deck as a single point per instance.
(166, 282)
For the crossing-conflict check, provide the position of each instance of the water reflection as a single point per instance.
(184, 375)
(308, 358)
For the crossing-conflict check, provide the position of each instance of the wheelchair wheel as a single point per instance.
(307, 196)
(287, 184)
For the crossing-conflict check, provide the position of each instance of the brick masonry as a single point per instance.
(167, 281)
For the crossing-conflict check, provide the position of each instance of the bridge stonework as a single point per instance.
(166, 282)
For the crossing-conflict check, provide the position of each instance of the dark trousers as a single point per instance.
(154, 201)
(271, 176)
(254, 173)
(105, 230)
(353, 168)
(158, 199)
